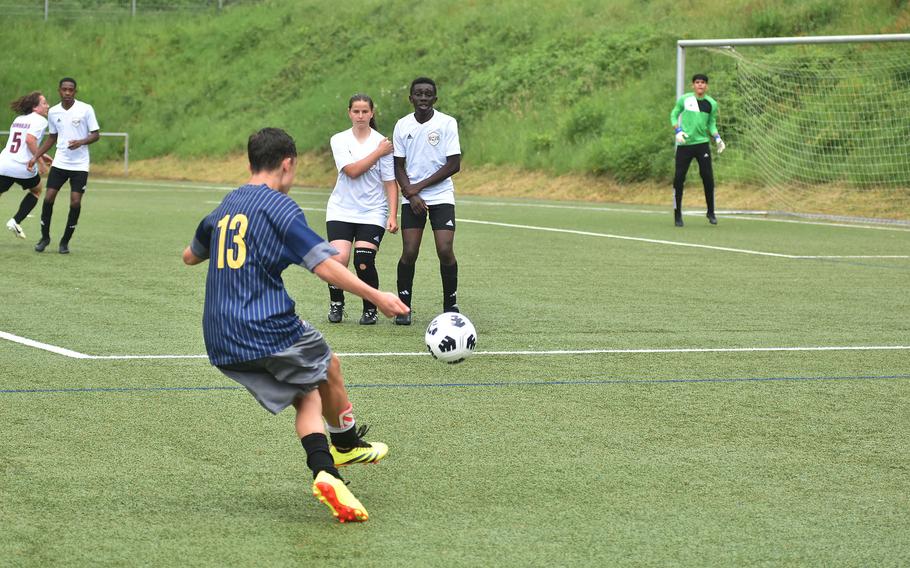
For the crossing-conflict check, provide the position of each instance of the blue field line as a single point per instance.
(486, 384)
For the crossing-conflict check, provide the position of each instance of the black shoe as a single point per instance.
(369, 317)
(336, 312)
(404, 319)
(42, 244)
(64, 248)
(453, 309)
(678, 221)
(712, 219)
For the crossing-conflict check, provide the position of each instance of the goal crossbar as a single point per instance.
(682, 44)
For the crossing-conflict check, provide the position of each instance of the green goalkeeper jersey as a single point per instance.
(697, 117)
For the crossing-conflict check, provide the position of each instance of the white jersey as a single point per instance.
(73, 124)
(16, 154)
(425, 148)
(360, 200)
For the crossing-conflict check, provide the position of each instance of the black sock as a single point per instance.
(71, 222)
(449, 275)
(345, 440)
(318, 457)
(47, 211)
(25, 207)
(365, 265)
(405, 282)
(336, 295)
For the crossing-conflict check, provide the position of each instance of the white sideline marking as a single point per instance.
(664, 242)
(44, 346)
(730, 214)
(153, 185)
(77, 355)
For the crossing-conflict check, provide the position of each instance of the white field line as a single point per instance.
(663, 242)
(77, 355)
(152, 185)
(44, 346)
(735, 215)
(723, 214)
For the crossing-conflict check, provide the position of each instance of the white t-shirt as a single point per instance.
(425, 148)
(73, 124)
(360, 200)
(16, 154)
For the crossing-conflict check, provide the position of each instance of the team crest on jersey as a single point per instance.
(433, 138)
(77, 122)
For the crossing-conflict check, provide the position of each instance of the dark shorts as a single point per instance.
(442, 217)
(57, 177)
(7, 182)
(277, 380)
(344, 231)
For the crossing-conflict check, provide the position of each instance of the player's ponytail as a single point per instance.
(25, 104)
(369, 101)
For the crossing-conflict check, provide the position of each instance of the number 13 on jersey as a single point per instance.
(236, 253)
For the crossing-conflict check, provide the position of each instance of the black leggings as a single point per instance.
(684, 155)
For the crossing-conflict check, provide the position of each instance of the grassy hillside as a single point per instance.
(581, 86)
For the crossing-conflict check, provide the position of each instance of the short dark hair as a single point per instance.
(67, 80)
(701, 76)
(268, 148)
(425, 80)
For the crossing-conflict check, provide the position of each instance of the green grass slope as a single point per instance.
(563, 86)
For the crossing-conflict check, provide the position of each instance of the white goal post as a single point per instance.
(126, 146)
(815, 127)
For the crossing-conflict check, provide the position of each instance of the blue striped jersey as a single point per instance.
(249, 240)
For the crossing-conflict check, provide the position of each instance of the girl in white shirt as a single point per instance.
(364, 202)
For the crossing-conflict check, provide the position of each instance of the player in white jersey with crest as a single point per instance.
(25, 133)
(72, 126)
(427, 155)
(364, 202)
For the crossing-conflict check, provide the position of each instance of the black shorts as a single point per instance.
(57, 177)
(442, 217)
(7, 182)
(344, 231)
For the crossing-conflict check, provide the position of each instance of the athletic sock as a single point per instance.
(47, 211)
(25, 207)
(71, 222)
(365, 265)
(336, 295)
(449, 274)
(318, 457)
(405, 282)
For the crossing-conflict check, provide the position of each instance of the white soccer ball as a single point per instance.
(451, 338)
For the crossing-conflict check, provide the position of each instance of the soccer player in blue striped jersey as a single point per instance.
(252, 333)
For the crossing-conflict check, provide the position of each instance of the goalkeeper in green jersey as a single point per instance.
(694, 118)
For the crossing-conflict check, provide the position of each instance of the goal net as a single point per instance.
(819, 126)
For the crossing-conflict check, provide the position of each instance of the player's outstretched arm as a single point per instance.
(190, 259)
(338, 274)
(45, 146)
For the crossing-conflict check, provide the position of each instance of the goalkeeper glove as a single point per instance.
(680, 136)
(720, 144)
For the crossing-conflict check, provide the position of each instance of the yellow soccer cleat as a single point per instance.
(369, 452)
(335, 494)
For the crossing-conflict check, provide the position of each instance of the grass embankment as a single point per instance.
(580, 90)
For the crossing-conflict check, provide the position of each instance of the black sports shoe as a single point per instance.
(453, 309)
(336, 312)
(369, 317)
(42, 244)
(712, 219)
(64, 248)
(403, 319)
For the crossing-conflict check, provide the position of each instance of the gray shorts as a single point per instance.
(277, 380)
